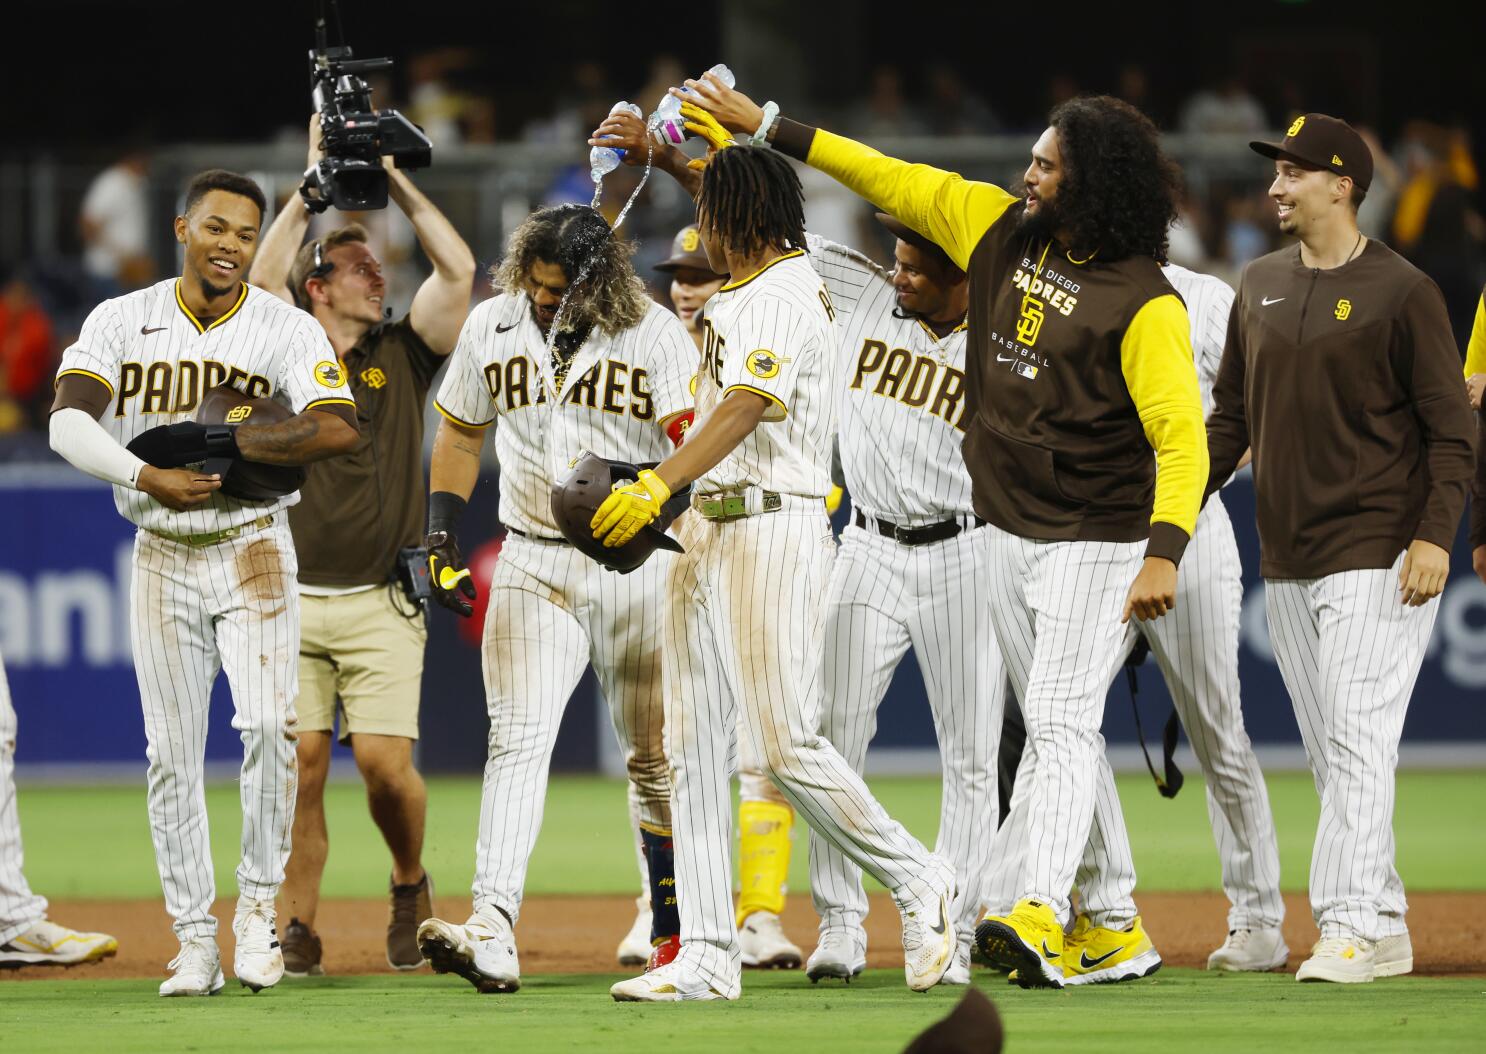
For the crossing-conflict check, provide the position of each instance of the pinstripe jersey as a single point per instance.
(613, 398)
(774, 334)
(902, 397)
(156, 360)
(1209, 301)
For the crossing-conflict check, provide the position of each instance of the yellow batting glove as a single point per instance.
(700, 122)
(629, 508)
(833, 499)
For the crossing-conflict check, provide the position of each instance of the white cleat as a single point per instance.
(665, 984)
(49, 944)
(841, 954)
(764, 944)
(258, 961)
(959, 970)
(1251, 950)
(482, 951)
(634, 950)
(1393, 956)
(1342, 960)
(928, 934)
(198, 969)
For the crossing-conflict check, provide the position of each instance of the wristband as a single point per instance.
(761, 133)
(444, 511)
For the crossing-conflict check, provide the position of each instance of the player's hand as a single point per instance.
(1475, 385)
(317, 148)
(622, 130)
(629, 508)
(1422, 576)
(448, 579)
(701, 123)
(833, 500)
(178, 488)
(733, 110)
(184, 443)
(1153, 593)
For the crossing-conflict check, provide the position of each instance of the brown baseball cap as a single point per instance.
(903, 232)
(687, 251)
(1318, 141)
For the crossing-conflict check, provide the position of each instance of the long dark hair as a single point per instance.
(1118, 194)
(752, 198)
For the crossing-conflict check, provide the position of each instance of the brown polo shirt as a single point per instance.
(1346, 383)
(355, 512)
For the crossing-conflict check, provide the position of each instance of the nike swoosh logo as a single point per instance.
(1266, 301)
(1048, 953)
(1005, 358)
(507, 329)
(939, 929)
(1088, 964)
(147, 330)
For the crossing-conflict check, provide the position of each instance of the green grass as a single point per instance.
(1178, 1010)
(93, 841)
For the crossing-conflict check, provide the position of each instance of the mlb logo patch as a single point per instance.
(1027, 370)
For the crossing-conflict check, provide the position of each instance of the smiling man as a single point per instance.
(1341, 370)
(361, 655)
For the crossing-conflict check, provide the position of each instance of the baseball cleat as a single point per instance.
(1028, 941)
(1341, 960)
(1098, 955)
(50, 944)
(634, 950)
(1250, 950)
(764, 944)
(482, 951)
(668, 984)
(1393, 956)
(198, 970)
(302, 951)
(841, 954)
(257, 961)
(928, 933)
(665, 951)
(410, 905)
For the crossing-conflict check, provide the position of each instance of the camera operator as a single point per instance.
(363, 636)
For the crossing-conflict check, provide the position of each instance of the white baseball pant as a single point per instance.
(20, 909)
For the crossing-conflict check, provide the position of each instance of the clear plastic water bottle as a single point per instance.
(670, 126)
(605, 159)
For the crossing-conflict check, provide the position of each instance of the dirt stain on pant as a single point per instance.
(260, 574)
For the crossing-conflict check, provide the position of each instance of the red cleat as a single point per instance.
(663, 952)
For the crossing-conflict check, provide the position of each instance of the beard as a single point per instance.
(1038, 225)
(212, 292)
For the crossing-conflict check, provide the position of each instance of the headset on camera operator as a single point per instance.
(354, 528)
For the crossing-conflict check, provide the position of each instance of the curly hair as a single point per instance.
(603, 288)
(752, 198)
(1119, 192)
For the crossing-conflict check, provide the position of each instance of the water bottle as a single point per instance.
(605, 159)
(670, 127)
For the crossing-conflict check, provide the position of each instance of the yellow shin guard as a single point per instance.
(763, 851)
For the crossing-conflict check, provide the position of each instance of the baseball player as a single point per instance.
(213, 585)
(27, 936)
(617, 385)
(1080, 365)
(1340, 348)
(1196, 647)
(745, 619)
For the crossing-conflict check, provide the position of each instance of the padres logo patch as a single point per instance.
(1295, 127)
(373, 377)
(1343, 309)
(238, 414)
(330, 374)
(763, 363)
(690, 239)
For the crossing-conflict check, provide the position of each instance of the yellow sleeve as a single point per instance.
(1475, 351)
(951, 211)
(1156, 359)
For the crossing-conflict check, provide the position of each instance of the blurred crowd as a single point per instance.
(1424, 201)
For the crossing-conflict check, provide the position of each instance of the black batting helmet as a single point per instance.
(248, 480)
(578, 495)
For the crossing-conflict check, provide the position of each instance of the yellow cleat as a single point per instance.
(48, 944)
(1028, 941)
(1095, 955)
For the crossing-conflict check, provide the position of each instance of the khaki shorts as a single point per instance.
(360, 654)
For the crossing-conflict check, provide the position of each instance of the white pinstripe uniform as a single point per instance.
(553, 611)
(1196, 647)
(20, 909)
(198, 609)
(902, 411)
(746, 615)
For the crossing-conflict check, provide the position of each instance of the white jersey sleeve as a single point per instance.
(311, 374)
(755, 361)
(99, 348)
(464, 397)
(1209, 301)
(672, 363)
(846, 273)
